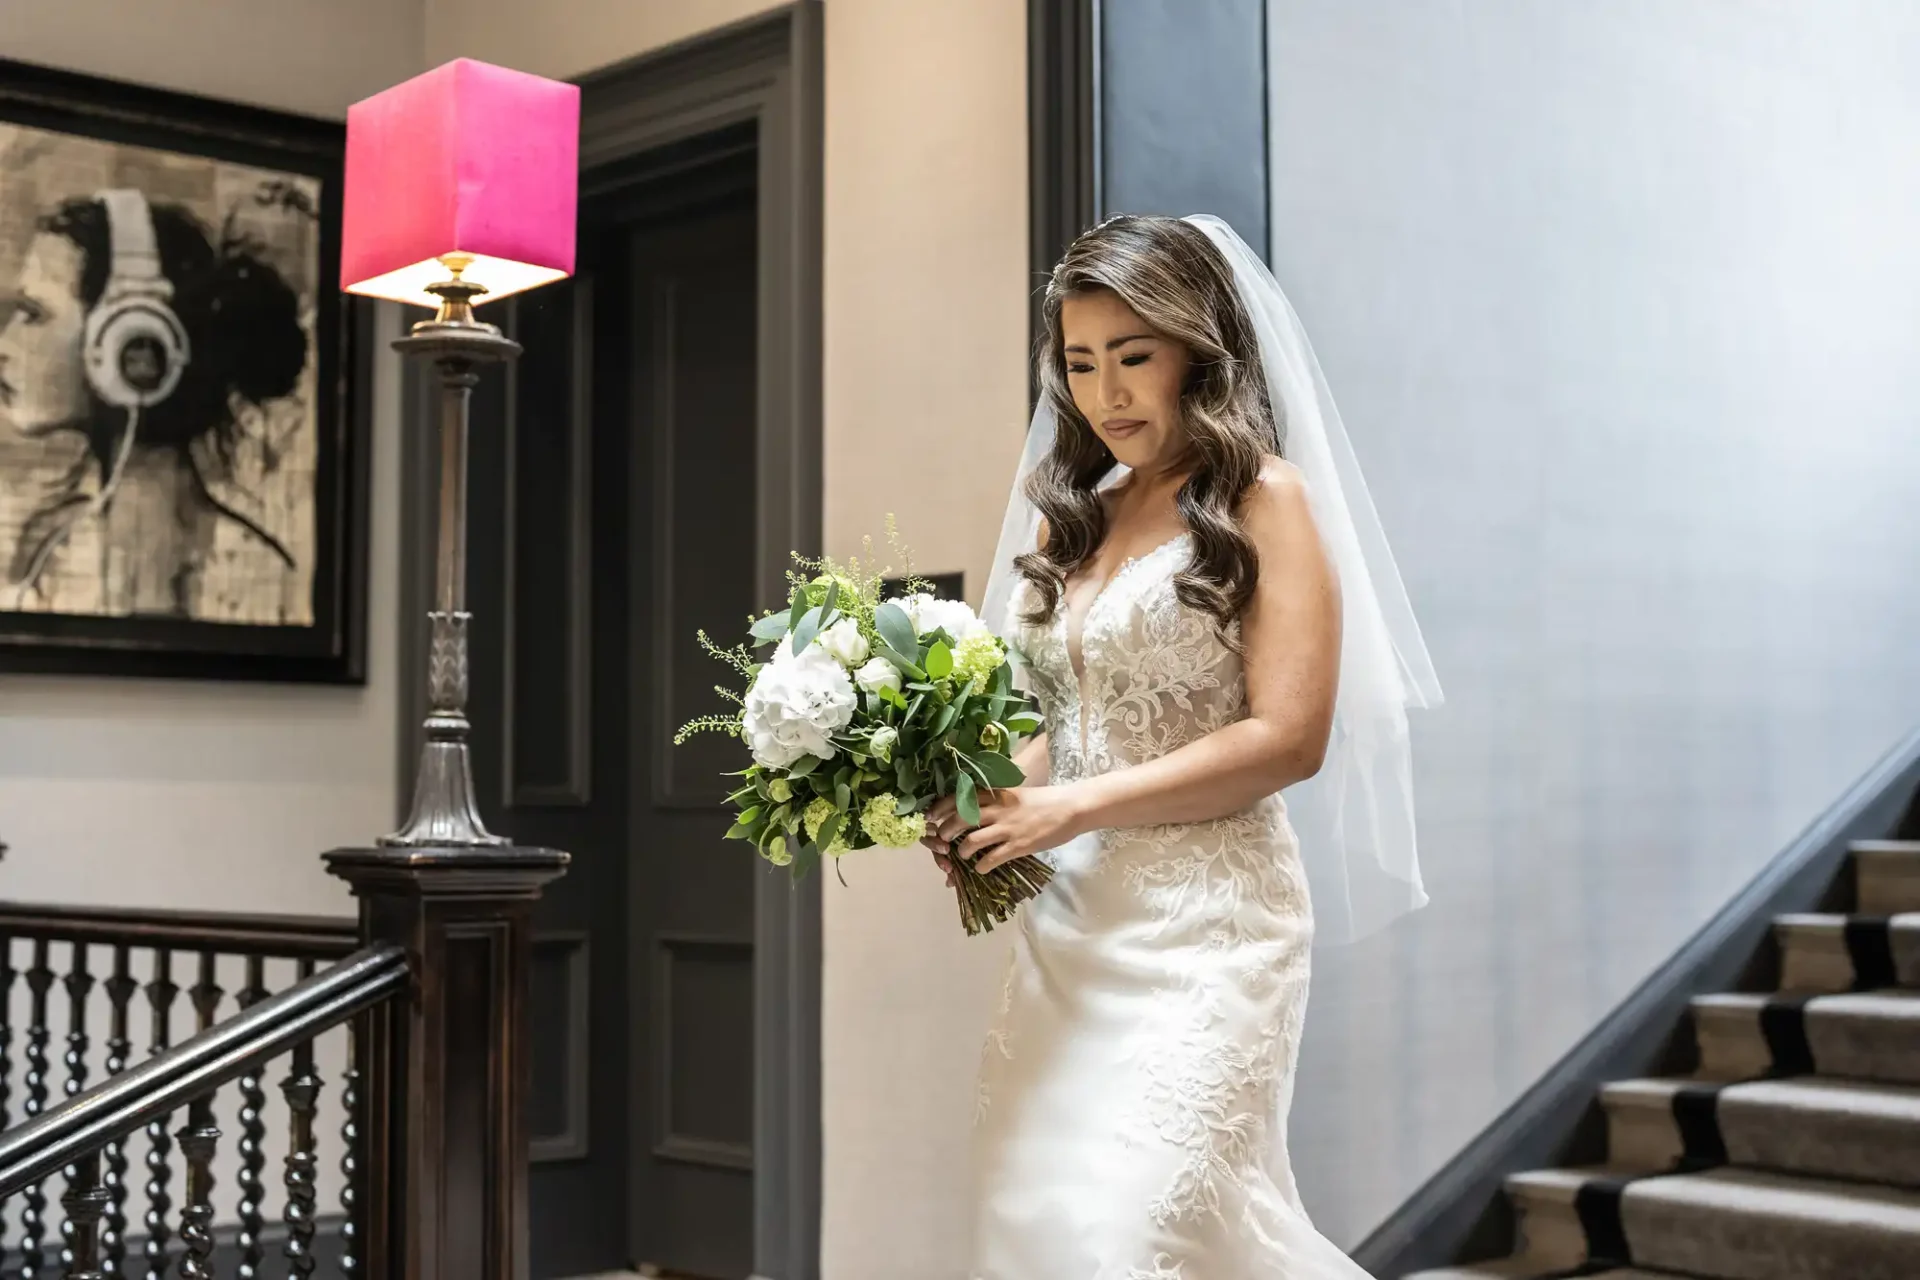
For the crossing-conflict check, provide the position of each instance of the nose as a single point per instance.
(1114, 395)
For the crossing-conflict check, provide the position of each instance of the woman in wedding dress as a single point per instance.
(1208, 617)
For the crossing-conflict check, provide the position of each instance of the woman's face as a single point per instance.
(43, 385)
(1125, 379)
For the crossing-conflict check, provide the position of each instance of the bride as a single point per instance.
(1209, 617)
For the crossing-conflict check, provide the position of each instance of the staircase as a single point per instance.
(1793, 1150)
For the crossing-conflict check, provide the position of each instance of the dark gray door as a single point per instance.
(692, 274)
(612, 501)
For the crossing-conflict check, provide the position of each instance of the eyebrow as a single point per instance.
(1115, 344)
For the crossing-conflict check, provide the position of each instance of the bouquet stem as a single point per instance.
(990, 898)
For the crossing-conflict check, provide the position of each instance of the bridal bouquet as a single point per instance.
(860, 711)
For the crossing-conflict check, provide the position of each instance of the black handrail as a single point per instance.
(277, 937)
(222, 1053)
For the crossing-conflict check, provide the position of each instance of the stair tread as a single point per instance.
(1836, 921)
(1784, 1196)
(1867, 1099)
(1890, 1003)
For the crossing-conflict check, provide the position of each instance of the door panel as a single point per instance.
(693, 285)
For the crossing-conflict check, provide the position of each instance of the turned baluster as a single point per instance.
(161, 993)
(79, 985)
(85, 1202)
(349, 1156)
(6, 1047)
(120, 989)
(199, 1138)
(301, 1089)
(253, 1134)
(33, 1213)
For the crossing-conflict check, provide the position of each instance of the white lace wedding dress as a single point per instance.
(1132, 1120)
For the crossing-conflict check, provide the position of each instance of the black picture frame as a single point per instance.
(332, 648)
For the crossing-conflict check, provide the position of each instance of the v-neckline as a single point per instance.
(1076, 629)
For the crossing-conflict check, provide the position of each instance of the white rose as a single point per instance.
(796, 705)
(931, 614)
(844, 641)
(883, 739)
(877, 675)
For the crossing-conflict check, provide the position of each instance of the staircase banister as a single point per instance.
(225, 1051)
(325, 938)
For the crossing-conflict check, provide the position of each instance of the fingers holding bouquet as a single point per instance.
(1018, 823)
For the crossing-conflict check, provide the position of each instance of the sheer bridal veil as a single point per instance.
(1355, 818)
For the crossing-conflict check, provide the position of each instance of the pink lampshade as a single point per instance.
(468, 158)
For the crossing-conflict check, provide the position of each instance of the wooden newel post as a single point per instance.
(442, 1191)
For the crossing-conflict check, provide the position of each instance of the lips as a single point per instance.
(1122, 426)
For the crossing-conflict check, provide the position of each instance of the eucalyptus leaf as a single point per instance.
(842, 797)
(998, 770)
(904, 806)
(828, 830)
(968, 801)
(807, 631)
(902, 774)
(804, 766)
(1025, 723)
(797, 608)
(908, 667)
(944, 720)
(896, 630)
(770, 628)
(939, 660)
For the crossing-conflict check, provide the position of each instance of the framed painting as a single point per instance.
(183, 418)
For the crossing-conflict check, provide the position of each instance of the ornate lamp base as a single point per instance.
(444, 813)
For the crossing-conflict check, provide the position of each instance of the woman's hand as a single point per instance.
(1023, 821)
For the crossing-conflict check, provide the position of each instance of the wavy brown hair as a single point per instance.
(1174, 278)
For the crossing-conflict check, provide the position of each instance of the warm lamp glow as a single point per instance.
(500, 276)
(468, 159)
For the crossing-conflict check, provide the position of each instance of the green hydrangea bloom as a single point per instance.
(976, 658)
(816, 817)
(892, 830)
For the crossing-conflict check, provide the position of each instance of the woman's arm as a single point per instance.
(1291, 635)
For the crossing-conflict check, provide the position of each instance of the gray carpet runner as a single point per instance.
(1792, 1152)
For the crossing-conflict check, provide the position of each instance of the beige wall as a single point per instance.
(209, 794)
(564, 38)
(926, 386)
(315, 56)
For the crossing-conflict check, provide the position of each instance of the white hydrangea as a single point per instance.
(844, 641)
(795, 706)
(878, 674)
(929, 613)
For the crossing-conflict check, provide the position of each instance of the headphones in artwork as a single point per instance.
(135, 347)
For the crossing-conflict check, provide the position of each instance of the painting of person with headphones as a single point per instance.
(136, 334)
(182, 411)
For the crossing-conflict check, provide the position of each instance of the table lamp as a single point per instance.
(462, 187)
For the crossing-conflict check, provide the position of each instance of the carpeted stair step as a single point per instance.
(1742, 1224)
(1886, 876)
(1508, 1269)
(1820, 952)
(1808, 1124)
(1860, 1036)
(1514, 1269)
(1549, 1235)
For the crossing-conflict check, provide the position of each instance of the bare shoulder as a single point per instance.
(1277, 502)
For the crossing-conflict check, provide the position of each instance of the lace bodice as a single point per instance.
(1155, 675)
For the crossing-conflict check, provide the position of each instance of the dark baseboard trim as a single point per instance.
(327, 1242)
(1461, 1214)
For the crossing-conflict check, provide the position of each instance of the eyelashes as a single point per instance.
(1129, 362)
